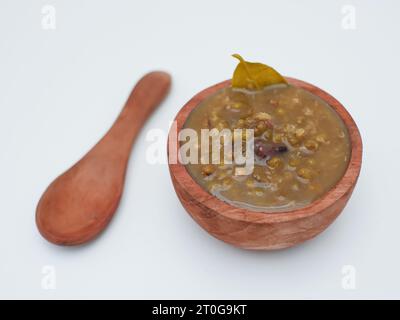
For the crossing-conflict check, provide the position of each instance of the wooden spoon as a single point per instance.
(79, 204)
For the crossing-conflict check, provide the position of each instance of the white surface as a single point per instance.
(61, 89)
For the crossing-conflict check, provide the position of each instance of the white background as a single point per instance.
(61, 90)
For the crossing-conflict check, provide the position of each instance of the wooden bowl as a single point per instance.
(266, 230)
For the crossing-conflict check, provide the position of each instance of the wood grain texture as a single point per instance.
(263, 230)
(78, 205)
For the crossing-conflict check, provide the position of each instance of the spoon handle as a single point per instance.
(144, 98)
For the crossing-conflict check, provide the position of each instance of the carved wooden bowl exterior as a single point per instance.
(262, 230)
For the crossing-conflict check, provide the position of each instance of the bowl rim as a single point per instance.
(345, 185)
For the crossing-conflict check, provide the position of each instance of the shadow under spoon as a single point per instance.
(79, 204)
